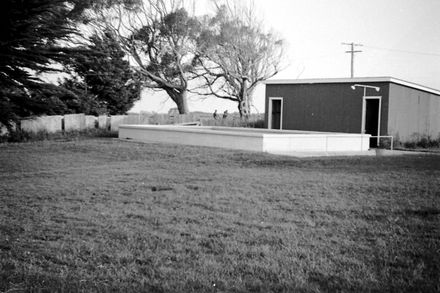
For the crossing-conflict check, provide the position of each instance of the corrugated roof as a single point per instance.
(355, 80)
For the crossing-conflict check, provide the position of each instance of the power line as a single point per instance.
(403, 51)
(352, 52)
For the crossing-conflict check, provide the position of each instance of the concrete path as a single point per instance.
(372, 152)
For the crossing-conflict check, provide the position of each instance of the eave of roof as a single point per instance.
(355, 80)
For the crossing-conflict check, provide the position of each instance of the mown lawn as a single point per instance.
(105, 215)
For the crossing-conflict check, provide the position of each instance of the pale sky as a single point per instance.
(401, 39)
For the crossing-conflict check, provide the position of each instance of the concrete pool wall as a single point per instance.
(251, 139)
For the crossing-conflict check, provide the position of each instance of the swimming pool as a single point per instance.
(252, 139)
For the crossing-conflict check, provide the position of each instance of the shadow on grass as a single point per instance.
(331, 283)
(422, 213)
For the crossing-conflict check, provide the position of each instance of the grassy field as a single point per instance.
(104, 215)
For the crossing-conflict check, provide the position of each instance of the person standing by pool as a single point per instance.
(225, 114)
(215, 115)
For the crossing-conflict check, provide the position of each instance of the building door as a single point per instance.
(275, 113)
(371, 119)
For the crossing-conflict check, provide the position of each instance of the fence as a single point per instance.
(79, 122)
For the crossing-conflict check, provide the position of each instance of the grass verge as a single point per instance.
(23, 136)
(106, 215)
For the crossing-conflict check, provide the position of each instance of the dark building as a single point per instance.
(380, 106)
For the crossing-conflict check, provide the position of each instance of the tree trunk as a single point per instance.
(179, 97)
(182, 103)
(240, 109)
(244, 107)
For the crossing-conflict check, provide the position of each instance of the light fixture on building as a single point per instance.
(353, 87)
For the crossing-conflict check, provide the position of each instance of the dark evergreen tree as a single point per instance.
(105, 81)
(28, 45)
(34, 36)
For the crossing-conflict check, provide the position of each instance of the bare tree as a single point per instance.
(160, 38)
(236, 53)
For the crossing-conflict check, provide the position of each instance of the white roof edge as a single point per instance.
(354, 80)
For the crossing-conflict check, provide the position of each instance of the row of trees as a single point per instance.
(112, 49)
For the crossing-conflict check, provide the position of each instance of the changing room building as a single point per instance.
(380, 106)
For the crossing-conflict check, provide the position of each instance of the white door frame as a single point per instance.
(270, 112)
(364, 113)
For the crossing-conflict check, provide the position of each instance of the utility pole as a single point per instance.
(352, 51)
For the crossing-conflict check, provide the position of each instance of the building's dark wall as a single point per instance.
(325, 106)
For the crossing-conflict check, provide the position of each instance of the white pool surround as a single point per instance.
(251, 139)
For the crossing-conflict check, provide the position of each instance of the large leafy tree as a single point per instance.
(35, 35)
(103, 81)
(29, 35)
(160, 37)
(237, 53)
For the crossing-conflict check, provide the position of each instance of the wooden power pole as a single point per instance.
(352, 51)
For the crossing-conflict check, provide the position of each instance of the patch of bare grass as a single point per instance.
(103, 215)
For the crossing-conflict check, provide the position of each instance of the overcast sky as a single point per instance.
(401, 38)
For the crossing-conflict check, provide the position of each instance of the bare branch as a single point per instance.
(243, 52)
